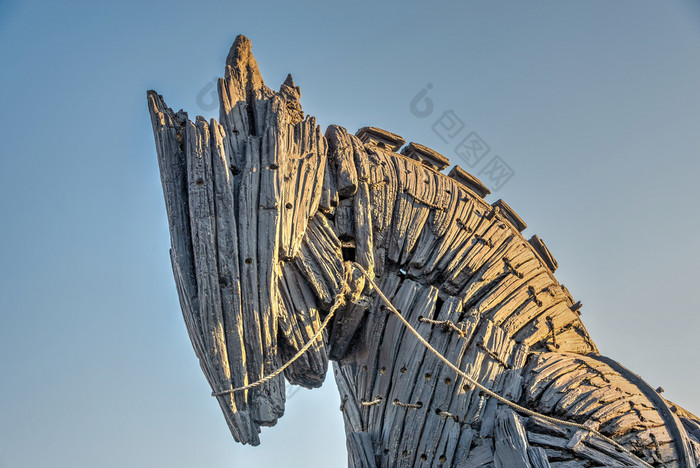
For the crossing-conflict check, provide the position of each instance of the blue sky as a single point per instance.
(594, 105)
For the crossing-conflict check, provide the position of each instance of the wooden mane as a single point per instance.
(266, 214)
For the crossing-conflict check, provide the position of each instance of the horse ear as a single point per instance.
(291, 94)
(240, 63)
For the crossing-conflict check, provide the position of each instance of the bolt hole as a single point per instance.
(428, 376)
(289, 206)
(199, 182)
(274, 166)
(448, 381)
(423, 457)
(248, 261)
(404, 370)
(443, 458)
(382, 370)
(364, 368)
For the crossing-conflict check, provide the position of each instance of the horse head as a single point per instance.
(276, 226)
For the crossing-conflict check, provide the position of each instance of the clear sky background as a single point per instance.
(595, 105)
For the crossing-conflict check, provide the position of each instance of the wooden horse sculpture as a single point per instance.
(291, 248)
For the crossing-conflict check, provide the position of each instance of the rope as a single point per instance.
(376, 401)
(337, 303)
(515, 406)
(407, 405)
(445, 324)
(445, 414)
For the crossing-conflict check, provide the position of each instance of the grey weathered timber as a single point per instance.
(271, 221)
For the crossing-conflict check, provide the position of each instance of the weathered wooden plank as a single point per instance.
(168, 130)
(267, 397)
(407, 361)
(549, 294)
(548, 440)
(273, 150)
(497, 349)
(600, 445)
(329, 192)
(510, 442)
(559, 318)
(362, 210)
(320, 260)
(425, 155)
(534, 293)
(446, 196)
(383, 188)
(445, 452)
(403, 209)
(202, 224)
(503, 211)
(426, 423)
(542, 426)
(474, 254)
(424, 201)
(366, 352)
(472, 230)
(463, 450)
(499, 266)
(349, 399)
(299, 322)
(513, 381)
(341, 156)
(453, 395)
(229, 274)
(373, 136)
(538, 457)
(481, 453)
(360, 450)
(460, 224)
(467, 180)
(345, 219)
(507, 286)
(304, 177)
(404, 299)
